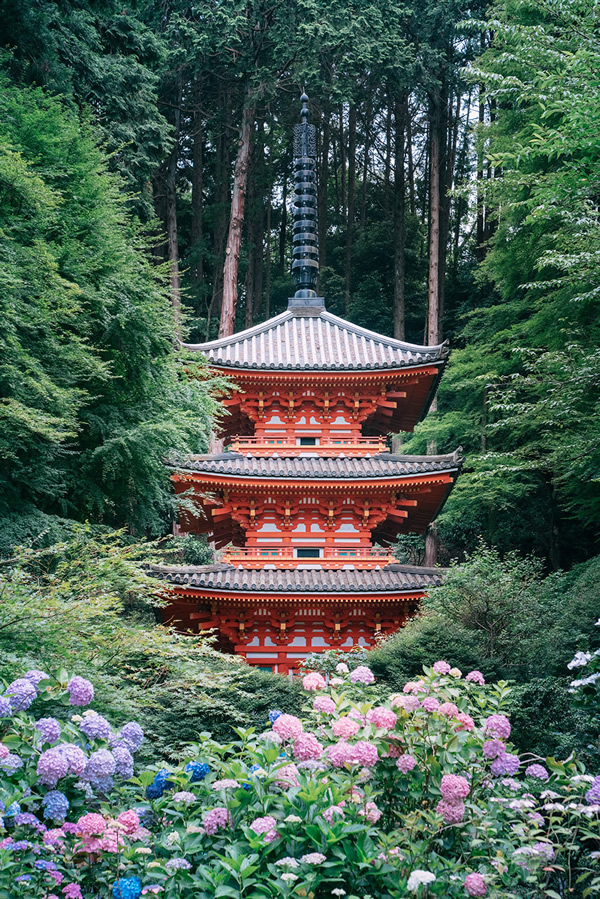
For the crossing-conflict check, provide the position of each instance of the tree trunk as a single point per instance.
(197, 224)
(283, 223)
(411, 165)
(365, 169)
(342, 162)
(351, 193)
(268, 256)
(322, 186)
(222, 177)
(433, 287)
(399, 223)
(387, 172)
(171, 223)
(236, 221)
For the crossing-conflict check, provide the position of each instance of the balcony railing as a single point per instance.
(285, 557)
(350, 446)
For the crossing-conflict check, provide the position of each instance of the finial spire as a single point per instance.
(305, 266)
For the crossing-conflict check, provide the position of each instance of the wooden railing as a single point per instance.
(285, 557)
(350, 446)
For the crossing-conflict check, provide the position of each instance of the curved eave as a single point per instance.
(227, 480)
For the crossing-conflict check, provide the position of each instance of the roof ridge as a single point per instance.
(241, 335)
(393, 341)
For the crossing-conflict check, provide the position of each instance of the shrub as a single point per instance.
(421, 794)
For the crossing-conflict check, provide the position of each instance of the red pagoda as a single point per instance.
(306, 499)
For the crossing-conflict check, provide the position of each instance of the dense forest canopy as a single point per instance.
(458, 198)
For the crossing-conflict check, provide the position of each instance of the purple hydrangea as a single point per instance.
(75, 756)
(5, 707)
(52, 765)
(100, 764)
(537, 771)
(35, 676)
(123, 762)
(592, 797)
(81, 691)
(103, 784)
(492, 749)
(49, 729)
(95, 726)
(27, 819)
(21, 693)
(505, 764)
(175, 864)
(55, 805)
(11, 763)
(132, 734)
(545, 849)
(498, 726)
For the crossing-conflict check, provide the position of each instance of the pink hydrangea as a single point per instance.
(314, 681)
(112, 840)
(334, 812)
(324, 704)
(442, 667)
(365, 754)
(342, 668)
(492, 749)
(475, 885)
(371, 812)
(448, 710)
(226, 784)
(413, 686)
(216, 819)
(287, 776)
(336, 681)
(287, 727)
(72, 891)
(266, 826)
(91, 824)
(354, 713)
(451, 811)
(53, 836)
(406, 763)
(362, 675)
(465, 722)
(476, 677)
(129, 821)
(498, 726)
(345, 727)
(4, 751)
(505, 764)
(453, 786)
(306, 746)
(430, 704)
(408, 703)
(340, 754)
(396, 749)
(382, 717)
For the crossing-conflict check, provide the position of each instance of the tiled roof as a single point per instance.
(297, 340)
(392, 578)
(314, 467)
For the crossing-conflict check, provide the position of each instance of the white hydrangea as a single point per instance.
(417, 878)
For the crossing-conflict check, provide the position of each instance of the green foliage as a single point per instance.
(91, 604)
(94, 397)
(523, 394)
(503, 617)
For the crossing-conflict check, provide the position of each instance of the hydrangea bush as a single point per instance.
(418, 794)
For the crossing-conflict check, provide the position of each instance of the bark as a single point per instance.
(387, 173)
(256, 224)
(351, 193)
(399, 223)
(365, 168)
(411, 165)
(222, 163)
(322, 204)
(480, 244)
(283, 223)
(171, 216)
(342, 162)
(236, 221)
(268, 257)
(431, 546)
(433, 287)
(197, 224)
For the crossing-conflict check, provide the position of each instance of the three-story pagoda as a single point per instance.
(307, 499)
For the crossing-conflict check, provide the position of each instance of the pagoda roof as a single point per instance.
(319, 467)
(312, 339)
(392, 578)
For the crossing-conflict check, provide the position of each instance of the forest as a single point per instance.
(146, 190)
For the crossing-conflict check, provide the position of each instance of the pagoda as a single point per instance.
(306, 499)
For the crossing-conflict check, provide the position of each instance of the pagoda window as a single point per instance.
(298, 641)
(307, 441)
(309, 552)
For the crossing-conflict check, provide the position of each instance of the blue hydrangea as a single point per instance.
(198, 770)
(160, 784)
(21, 693)
(154, 790)
(5, 707)
(127, 888)
(44, 865)
(99, 765)
(56, 805)
(11, 763)
(13, 809)
(132, 735)
(123, 761)
(274, 715)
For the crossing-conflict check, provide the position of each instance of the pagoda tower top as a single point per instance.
(305, 265)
